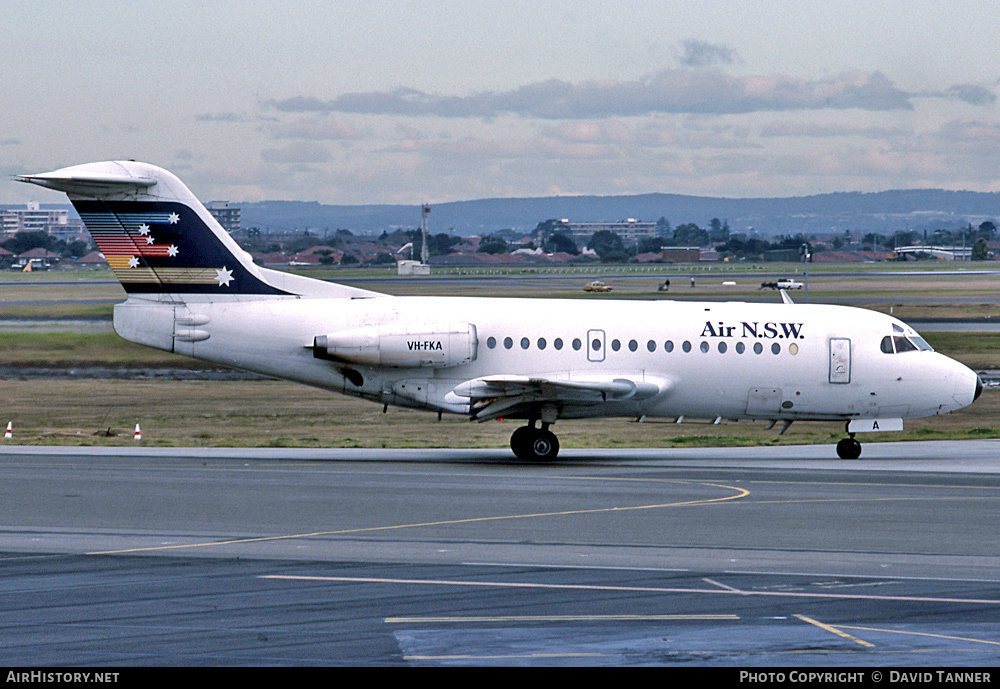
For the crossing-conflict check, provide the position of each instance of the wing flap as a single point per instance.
(492, 396)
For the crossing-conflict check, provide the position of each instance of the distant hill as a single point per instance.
(884, 212)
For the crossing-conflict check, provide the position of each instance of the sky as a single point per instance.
(354, 102)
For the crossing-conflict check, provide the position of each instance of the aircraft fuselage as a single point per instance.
(732, 360)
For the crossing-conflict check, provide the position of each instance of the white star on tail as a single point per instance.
(144, 229)
(174, 218)
(133, 262)
(172, 251)
(224, 276)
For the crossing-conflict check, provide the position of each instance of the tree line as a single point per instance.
(26, 240)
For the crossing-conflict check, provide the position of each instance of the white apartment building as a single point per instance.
(631, 231)
(33, 218)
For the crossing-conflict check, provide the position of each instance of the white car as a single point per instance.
(783, 283)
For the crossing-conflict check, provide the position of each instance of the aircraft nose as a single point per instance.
(966, 385)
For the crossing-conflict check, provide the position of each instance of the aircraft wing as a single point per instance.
(493, 396)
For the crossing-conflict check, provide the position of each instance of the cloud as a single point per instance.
(704, 54)
(229, 117)
(315, 129)
(668, 91)
(829, 130)
(972, 94)
(296, 154)
(971, 132)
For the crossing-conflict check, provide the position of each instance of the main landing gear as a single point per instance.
(849, 448)
(534, 444)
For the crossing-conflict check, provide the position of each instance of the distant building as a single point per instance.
(94, 258)
(412, 268)
(947, 253)
(631, 231)
(39, 258)
(227, 215)
(681, 254)
(33, 218)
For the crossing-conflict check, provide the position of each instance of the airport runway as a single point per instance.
(705, 557)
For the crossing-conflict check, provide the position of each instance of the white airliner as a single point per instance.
(192, 290)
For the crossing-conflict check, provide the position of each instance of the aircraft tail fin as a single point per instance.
(159, 239)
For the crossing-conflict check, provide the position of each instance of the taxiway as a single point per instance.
(735, 556)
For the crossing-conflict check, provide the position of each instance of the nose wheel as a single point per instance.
(532, 444)
(849, 448)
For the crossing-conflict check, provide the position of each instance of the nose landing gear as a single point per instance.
(534, 444)
(849, 448)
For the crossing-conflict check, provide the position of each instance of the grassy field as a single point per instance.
(230, 413)
(68, 349)
(278, 414)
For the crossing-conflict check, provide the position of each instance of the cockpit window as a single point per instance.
(896, 344)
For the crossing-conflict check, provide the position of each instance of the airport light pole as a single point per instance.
(805, 257)
(424, 252)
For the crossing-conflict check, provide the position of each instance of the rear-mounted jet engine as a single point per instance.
(401, 346)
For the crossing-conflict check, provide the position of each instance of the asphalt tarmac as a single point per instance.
(736, 557)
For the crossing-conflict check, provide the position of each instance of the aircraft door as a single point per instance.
(840, 360)
(595, 345)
